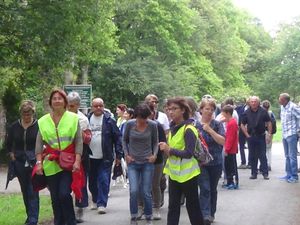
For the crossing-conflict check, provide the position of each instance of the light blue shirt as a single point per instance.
(290, 119)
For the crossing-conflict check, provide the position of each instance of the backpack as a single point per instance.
(273, 121)
(201, 153)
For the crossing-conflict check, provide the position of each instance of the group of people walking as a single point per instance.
(154, 145)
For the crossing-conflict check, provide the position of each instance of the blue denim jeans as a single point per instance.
(140, 175)
(99, 180)
(290, 152)
(208, 182)
(30, 197)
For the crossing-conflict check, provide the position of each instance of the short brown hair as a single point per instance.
(61, 93)
(182, 103)
(208, 101)
(227, 109)
(122, 107)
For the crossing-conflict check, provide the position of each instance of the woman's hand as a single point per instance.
(129, 159)
(206, 127)
(163, 146)
(39, 169)
(76, 166)
(12, 156)
(151, 159)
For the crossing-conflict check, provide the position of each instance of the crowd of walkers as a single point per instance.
(67, 151)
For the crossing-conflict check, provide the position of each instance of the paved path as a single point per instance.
(257, 202)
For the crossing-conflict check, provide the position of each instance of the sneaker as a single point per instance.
(101, 210)
(292, 180)
(140, 213)
(230, 187)
(149, 222)
(79, 215)
(242, 166)
(266, 177)
(207, 222)
(284, 178)
(156, 214)
(94, 206)
(133, 221)
(253, 177)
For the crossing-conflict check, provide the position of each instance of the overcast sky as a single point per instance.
(271, 12)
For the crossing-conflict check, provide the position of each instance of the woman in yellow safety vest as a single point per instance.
(59, 131)
(181, 167)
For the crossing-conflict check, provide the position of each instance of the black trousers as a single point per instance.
(62, 202)
(30, 197)
(190, 190)
(230, 167)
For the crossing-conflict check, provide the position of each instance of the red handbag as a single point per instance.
(66, 160)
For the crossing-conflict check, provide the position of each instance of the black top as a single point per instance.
(20, 140)
(161, 138)
(256, 121)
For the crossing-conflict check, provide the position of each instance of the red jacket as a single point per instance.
(78, 177)
(231, 137)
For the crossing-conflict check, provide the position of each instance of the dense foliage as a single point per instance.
(127, 49)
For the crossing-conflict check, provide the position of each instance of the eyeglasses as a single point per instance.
(96, 106)
(173, 109)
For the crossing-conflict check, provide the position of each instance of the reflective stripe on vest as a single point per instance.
(66, 129)
(180, 169)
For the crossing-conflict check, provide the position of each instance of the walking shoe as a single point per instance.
(149, 222)
(253, 177)
(156, 214)
(94, 206)
(79, 215)
(284, 178)
(140, 213)
(242, 166)
(230, 187)
(266, 177)
(207, 222)
(292, 180)
(248, 166)
(133, 221)
(211, 219)
(101, 210)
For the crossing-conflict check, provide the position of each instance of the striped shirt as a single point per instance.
(290, 119)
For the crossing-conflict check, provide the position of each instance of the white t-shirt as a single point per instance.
(83, 121)
(163, 120)
(96, 142)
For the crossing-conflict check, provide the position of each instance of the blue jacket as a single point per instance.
(111, 138)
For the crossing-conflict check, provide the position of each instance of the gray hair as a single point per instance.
(286, 96)
(74, 97)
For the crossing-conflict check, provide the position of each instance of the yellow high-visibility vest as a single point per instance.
(66, 131)
(181, 169)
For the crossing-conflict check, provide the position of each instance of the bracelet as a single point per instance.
(38, 162)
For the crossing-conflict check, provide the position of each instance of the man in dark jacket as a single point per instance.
(105, 143)
(254, 127)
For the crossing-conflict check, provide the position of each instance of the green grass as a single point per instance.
(278, 136)
(13, 210)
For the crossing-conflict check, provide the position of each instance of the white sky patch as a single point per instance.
(271, 12)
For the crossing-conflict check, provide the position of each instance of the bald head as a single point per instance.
(98, 106)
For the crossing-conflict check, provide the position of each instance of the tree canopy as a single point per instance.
(128, 49)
